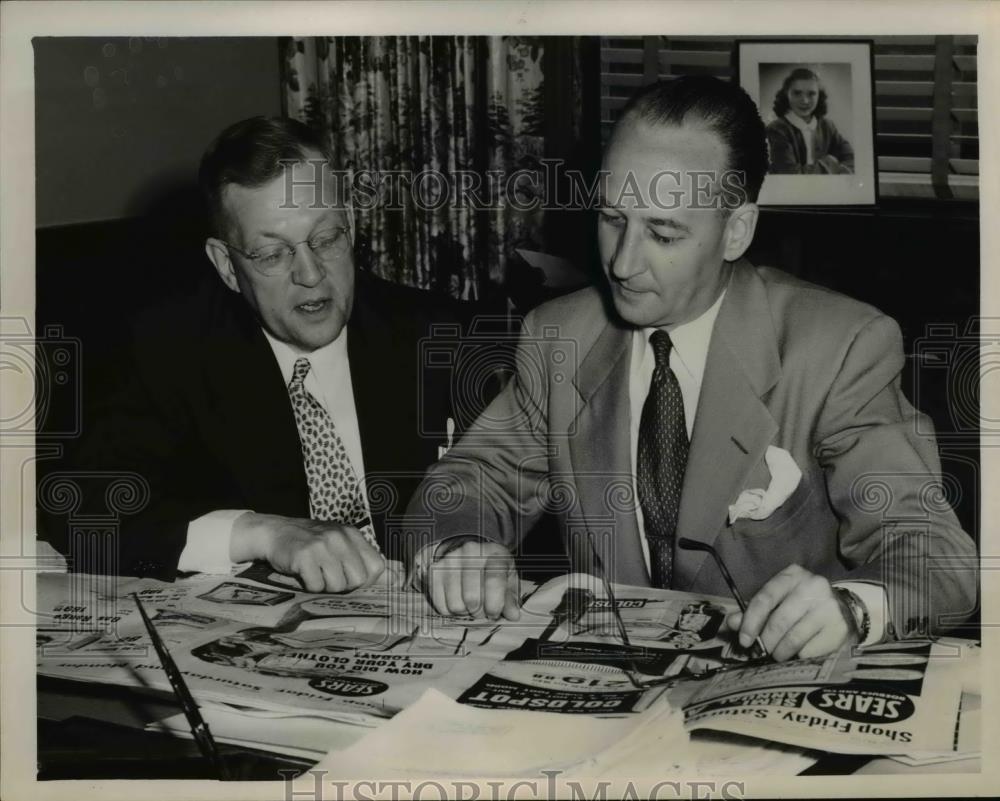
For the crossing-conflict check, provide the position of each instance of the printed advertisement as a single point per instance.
(884, 699)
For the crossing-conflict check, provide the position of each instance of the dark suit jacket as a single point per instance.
(790, 364)
(204, 421)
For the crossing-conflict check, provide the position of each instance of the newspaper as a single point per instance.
(885, 699)
(888, 699)
(578, 664)
(366, 653)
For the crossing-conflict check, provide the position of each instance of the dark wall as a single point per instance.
(121, 122)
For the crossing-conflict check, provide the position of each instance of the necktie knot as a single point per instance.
(299, 373)
(660, 340)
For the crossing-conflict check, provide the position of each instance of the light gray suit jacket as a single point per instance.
(789, 364)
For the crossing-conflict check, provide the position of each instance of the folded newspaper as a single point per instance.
(255, 640)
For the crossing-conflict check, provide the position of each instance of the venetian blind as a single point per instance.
(926, 122)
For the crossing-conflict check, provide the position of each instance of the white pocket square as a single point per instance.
(759, 504)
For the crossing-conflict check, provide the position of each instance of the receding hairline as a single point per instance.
(309, 155)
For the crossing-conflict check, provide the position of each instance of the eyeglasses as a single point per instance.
(327, 246)
(632, 654)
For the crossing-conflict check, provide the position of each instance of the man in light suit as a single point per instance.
(642, 411)
(253, 410)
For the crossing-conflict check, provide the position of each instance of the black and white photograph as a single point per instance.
(483, 400)
(816, 100)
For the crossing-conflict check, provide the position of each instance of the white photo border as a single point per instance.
(857, 189)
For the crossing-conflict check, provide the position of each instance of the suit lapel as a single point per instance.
(249, 406)
(385, 400)
(733, 426)
(600, 451)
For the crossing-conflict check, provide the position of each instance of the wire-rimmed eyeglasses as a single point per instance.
(327, 246)
(632, 654)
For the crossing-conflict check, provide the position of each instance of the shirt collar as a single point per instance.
(322, 360)
(800, 123)
(690, 340)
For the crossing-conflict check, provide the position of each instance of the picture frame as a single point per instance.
(816, 98)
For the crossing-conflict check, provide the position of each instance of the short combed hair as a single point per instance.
(250, 153)
(781, 104)
(722, 106)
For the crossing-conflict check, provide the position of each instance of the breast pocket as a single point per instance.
(783, 519)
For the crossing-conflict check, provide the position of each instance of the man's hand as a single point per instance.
(475, 578)
(326, 557)
(796, 613)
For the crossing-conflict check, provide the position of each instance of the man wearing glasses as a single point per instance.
(256, 409)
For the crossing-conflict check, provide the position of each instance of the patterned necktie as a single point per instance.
(662, 457)
(334, 490)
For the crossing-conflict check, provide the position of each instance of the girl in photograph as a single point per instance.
(802, 139)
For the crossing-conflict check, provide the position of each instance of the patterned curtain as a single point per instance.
(398, 110)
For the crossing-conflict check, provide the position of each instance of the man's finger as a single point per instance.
(796, 636)
(781, 620)
(472, 587)
(830, 636)
(512, 604)
(371, 561)
(333, 575)
(765, 601)
(310, 575)
(344, 545)
(436, 592)
(496, 583)
(450, 572)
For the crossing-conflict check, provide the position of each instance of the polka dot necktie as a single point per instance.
(334, 490)
(662, 457)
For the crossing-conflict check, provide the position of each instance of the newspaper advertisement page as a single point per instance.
(884, 699)
(580, 664)
(370, 652)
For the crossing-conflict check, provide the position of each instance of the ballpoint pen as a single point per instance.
(693, 545)
(199, 728)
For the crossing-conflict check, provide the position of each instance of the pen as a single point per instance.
(693, 545)
(202, 736)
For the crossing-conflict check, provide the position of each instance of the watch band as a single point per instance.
(855, 612)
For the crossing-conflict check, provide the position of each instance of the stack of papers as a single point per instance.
(291, 733)
(388, 687)
(437, 736)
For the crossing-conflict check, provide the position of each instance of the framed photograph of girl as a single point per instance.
(816, 99)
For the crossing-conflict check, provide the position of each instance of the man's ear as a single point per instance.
(218, 254)
(739, 231)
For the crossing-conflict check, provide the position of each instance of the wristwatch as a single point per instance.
(855, 612)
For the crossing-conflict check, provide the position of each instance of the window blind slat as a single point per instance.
(887, 113)
(965, 64)
(905, 95)
(710, 58)
(623, 56)
(623, 79)
(904, 63)
(903, 164)
(904, 88)
(965, 166)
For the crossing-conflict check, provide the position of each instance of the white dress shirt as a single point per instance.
(808, 133)
(329, 382)
(687, 361)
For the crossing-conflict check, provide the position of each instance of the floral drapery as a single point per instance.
(397, 109)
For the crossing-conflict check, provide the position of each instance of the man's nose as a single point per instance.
(627, 258)
(307, 270)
